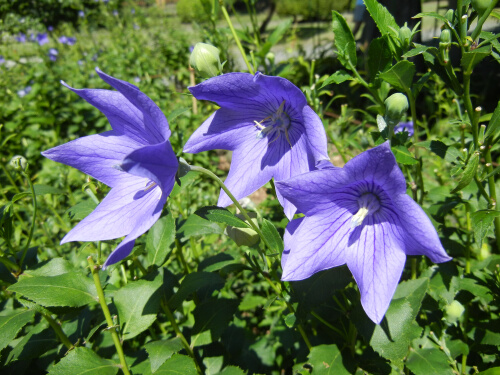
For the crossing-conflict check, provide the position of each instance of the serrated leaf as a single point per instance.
(178, 364)
(11, 324)
(481, 221)
(160, 351)
(84, 361)
(379, 57)
(384, 20)
(433, 15)
(290, 320)
(449, 153)
(194, 282)
(220, 215)
(54, 267)
(279, 32)
(197, 226)
(494, 124)
(344, 40)
(400, 75)
(36, 342)
(69, 289)
(419, 49)
(428, 361)
(327, 360)
(338, 77)
(403, 156)
(160, 237)
(214, 315)
(138, 303)
(468, 175)
(471, 59)
(272, 236)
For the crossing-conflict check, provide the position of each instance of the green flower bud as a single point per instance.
(449, 15)
(183, 168)
(243, 236)
(396, 106)
(480, 6)
(405, 37)
(444, 44)
(205, 60)
(18, 163)
(453, 312)
(270, 57)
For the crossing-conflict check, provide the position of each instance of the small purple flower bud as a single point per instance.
(81, 14)
(50, 28)
(53, 54)
(115, 13)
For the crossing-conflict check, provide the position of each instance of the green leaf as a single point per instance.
(428, 361)
(194, 282)
(160, 351)
(214, 315)
(493, 370)
(232, 370)
(11, 324)
(338, 77)
(138, 303)
(54, 267)
(449, 153)
(393, 336)
(279, 32)
(344, 40)
(176, 113)
(419, 49)
(160, 237)
(69, 289)
(403, 156)
(220, 215)
(494, 124)
(84, 361)
(46, 189)
(400, 75)
(81, 210)
(434, 15)
(383, 18)
(290, 320)
(379, 57)
(178, 365)
(468, 175)
(197, 226)
(272, 236)
(481, 221)
(471, 59)
(327, 360)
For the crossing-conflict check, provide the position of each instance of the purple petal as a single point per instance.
(155, 122)
(419, 235)
(318, 244)
(242, 91)
(157, 163)
(224, 130)
(126, 208)
(315, 133)
(287, 238)
(95, 155)
(378, 165)
(376, 261)
(122, 251)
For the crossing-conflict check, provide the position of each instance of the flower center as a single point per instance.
(368, 204)
(275, 124)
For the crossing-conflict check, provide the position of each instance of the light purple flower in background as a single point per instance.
(67, 40)
(136, 26)
(267, 124)
(137, 79)
(135, 159)
(21, 38)
(81, 13)
(132, 11)
(53, 54)
(50, 28)
(359, 215)
(42, 38)
(22, 93)
(402, 126)
(80, 62)
(2, 60)
(115, 13)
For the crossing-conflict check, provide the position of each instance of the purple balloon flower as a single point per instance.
(53, 54)
(67, 40)
(81, 13)
(42, 38)
(402, 126)
(359, 215)
(2, 60)
(267, 124)
(21, 38)
(135, 159)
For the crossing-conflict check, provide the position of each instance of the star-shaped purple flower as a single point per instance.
(135, 159)
(267, 124)
(405, 126)
(359, 215)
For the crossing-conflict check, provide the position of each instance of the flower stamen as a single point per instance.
(368, 204)
(278, 122)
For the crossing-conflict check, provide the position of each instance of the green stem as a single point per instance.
(179, 334)
(469, 237)
(59, 332)
(367, 86)
(235, 36)
(313, 313)
(419, 179)
(180, 255)
(337, 146)
(413, 268)
(470, 110)
(9, 177)
(482, 19)
(32, 228)
(102, 300)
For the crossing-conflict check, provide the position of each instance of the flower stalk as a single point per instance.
(109, 320)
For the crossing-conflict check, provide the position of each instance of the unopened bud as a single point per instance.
(183, 169)
(270, 56)
(453, 312)
(396, 106)
(243, 236)
(478, 109)
(205, 60)
(480, 6)
(449, 15)
(18, 163)
(405, 37)
(444, 44)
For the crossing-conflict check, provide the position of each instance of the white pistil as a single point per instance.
(368, 203)
(278, 124)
